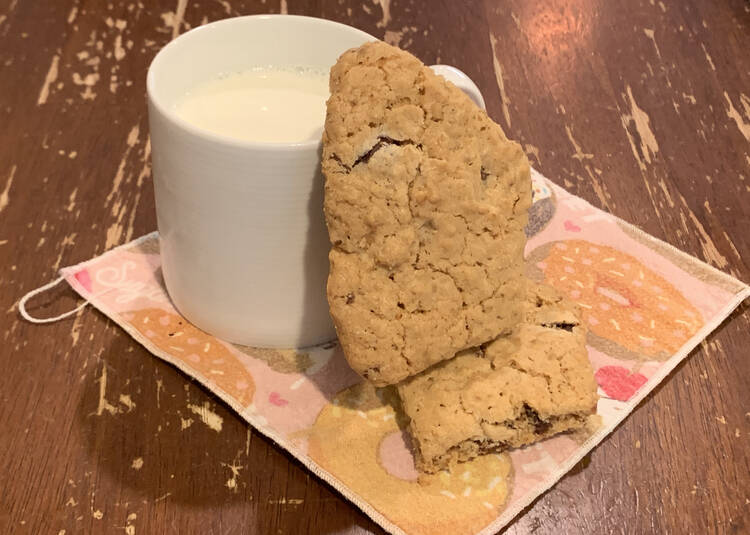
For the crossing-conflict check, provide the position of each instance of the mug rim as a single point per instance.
(167, 112)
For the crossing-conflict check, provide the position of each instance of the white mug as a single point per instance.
(244, 246)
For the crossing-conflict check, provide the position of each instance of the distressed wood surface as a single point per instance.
(641, 107)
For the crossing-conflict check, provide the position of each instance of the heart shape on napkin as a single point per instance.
(276, 399)
(618, 383)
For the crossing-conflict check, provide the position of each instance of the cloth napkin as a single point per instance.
(646, 305)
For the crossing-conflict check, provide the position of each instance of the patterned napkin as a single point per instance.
(646, 305)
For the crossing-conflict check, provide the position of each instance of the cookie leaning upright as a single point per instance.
(425, 201)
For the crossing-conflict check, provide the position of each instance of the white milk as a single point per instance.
(268, 104)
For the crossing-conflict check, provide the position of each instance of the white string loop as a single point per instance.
(25, 315)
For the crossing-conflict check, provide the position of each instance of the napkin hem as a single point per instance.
(739, 285)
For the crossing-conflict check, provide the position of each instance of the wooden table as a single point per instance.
(641, 107)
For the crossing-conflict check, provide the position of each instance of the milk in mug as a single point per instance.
(262, 104)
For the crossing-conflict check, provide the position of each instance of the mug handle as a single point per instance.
(460, 80)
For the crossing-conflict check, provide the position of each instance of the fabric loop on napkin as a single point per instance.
(25, 315)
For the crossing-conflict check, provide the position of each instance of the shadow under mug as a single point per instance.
(244, 246)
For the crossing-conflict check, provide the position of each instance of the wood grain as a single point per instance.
(641, 107)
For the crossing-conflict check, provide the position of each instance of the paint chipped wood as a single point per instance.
(639, 107)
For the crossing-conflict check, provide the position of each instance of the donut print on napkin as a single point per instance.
(646, 305)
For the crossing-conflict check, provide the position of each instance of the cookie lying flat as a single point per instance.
(425, 201)
(521, 388)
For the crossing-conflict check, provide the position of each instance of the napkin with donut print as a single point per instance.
(645, 303)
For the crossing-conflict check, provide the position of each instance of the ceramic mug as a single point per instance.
(244, 247)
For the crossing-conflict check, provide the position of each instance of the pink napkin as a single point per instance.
(646, 305)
